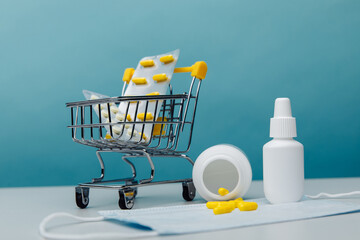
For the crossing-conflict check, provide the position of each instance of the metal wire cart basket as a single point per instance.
(170, 136)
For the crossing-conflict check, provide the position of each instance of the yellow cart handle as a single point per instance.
(197, 70)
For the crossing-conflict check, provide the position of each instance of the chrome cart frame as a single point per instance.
(177, 116)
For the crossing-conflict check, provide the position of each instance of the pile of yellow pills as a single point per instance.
(222, 207)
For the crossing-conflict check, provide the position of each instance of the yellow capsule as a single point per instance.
(107, 136)
(212, 205)
(157, 127)
(131, 101)
(222, 210)
(104, 113)
(247, 206)
(128, 117)
(147, 63)
(141, 116)
(114, 109)
(223, 191)
(160, 77)
(167, 59)
(153, 94)
(128, 73)
(139, 81)
(233, 204)
(93, 97)
(119, 117)
(103, 106)
(229, 204)
(116, 130)
(239, 199)
(131, 131)
(143, 136)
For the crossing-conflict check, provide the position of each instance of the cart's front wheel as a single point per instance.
(126, 198)
(82, 197)
(189, 191)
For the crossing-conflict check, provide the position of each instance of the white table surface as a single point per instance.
(22, 209)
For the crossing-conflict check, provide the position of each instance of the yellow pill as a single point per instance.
(93, 97)
(129, 72)
(247, 206)
(130, 131)
(141, 116)
(212, 205)
(116, 130)
(114, 109)
(143, 136)
(229, 204)
(160, 77)
(107, 136)
(153, 94)
(147, 63)
(223, 191)
(233, 204)
(128, 117)
(222, 210)
(120, 117)
(167, 59)
(239, 199)
(157, 127)
(139, 81)
(103, 106)
(105, 114)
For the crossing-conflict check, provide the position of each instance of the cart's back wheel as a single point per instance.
(189, 191)
(126, 198)
(82, 197)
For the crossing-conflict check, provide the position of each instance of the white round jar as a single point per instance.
(222, 166)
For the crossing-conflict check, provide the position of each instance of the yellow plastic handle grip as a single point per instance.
(197, 70)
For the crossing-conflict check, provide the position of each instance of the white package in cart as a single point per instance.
(151, 77)
(115, 116)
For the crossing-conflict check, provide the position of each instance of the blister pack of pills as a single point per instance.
(124, 130)
(151, 77)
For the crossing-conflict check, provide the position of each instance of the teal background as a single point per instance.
(256, 51)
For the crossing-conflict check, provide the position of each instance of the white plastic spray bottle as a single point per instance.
(283, 157)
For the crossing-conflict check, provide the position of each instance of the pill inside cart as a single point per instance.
(104, 113)
(120, 117)
(93, 97)
(114, 109)
(117, 130)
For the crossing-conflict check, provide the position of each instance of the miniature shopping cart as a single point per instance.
(170, 136)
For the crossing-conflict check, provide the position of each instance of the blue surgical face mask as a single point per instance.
(197, 218)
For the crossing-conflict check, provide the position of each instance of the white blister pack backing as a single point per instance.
(151, 77)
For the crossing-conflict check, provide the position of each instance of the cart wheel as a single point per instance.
(189, 191)
(82, 197)
(134, 188)
(127, 197)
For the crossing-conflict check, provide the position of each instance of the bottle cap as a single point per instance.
(283, 124)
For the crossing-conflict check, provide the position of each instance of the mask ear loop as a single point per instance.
(47, 235)
(333, 195)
